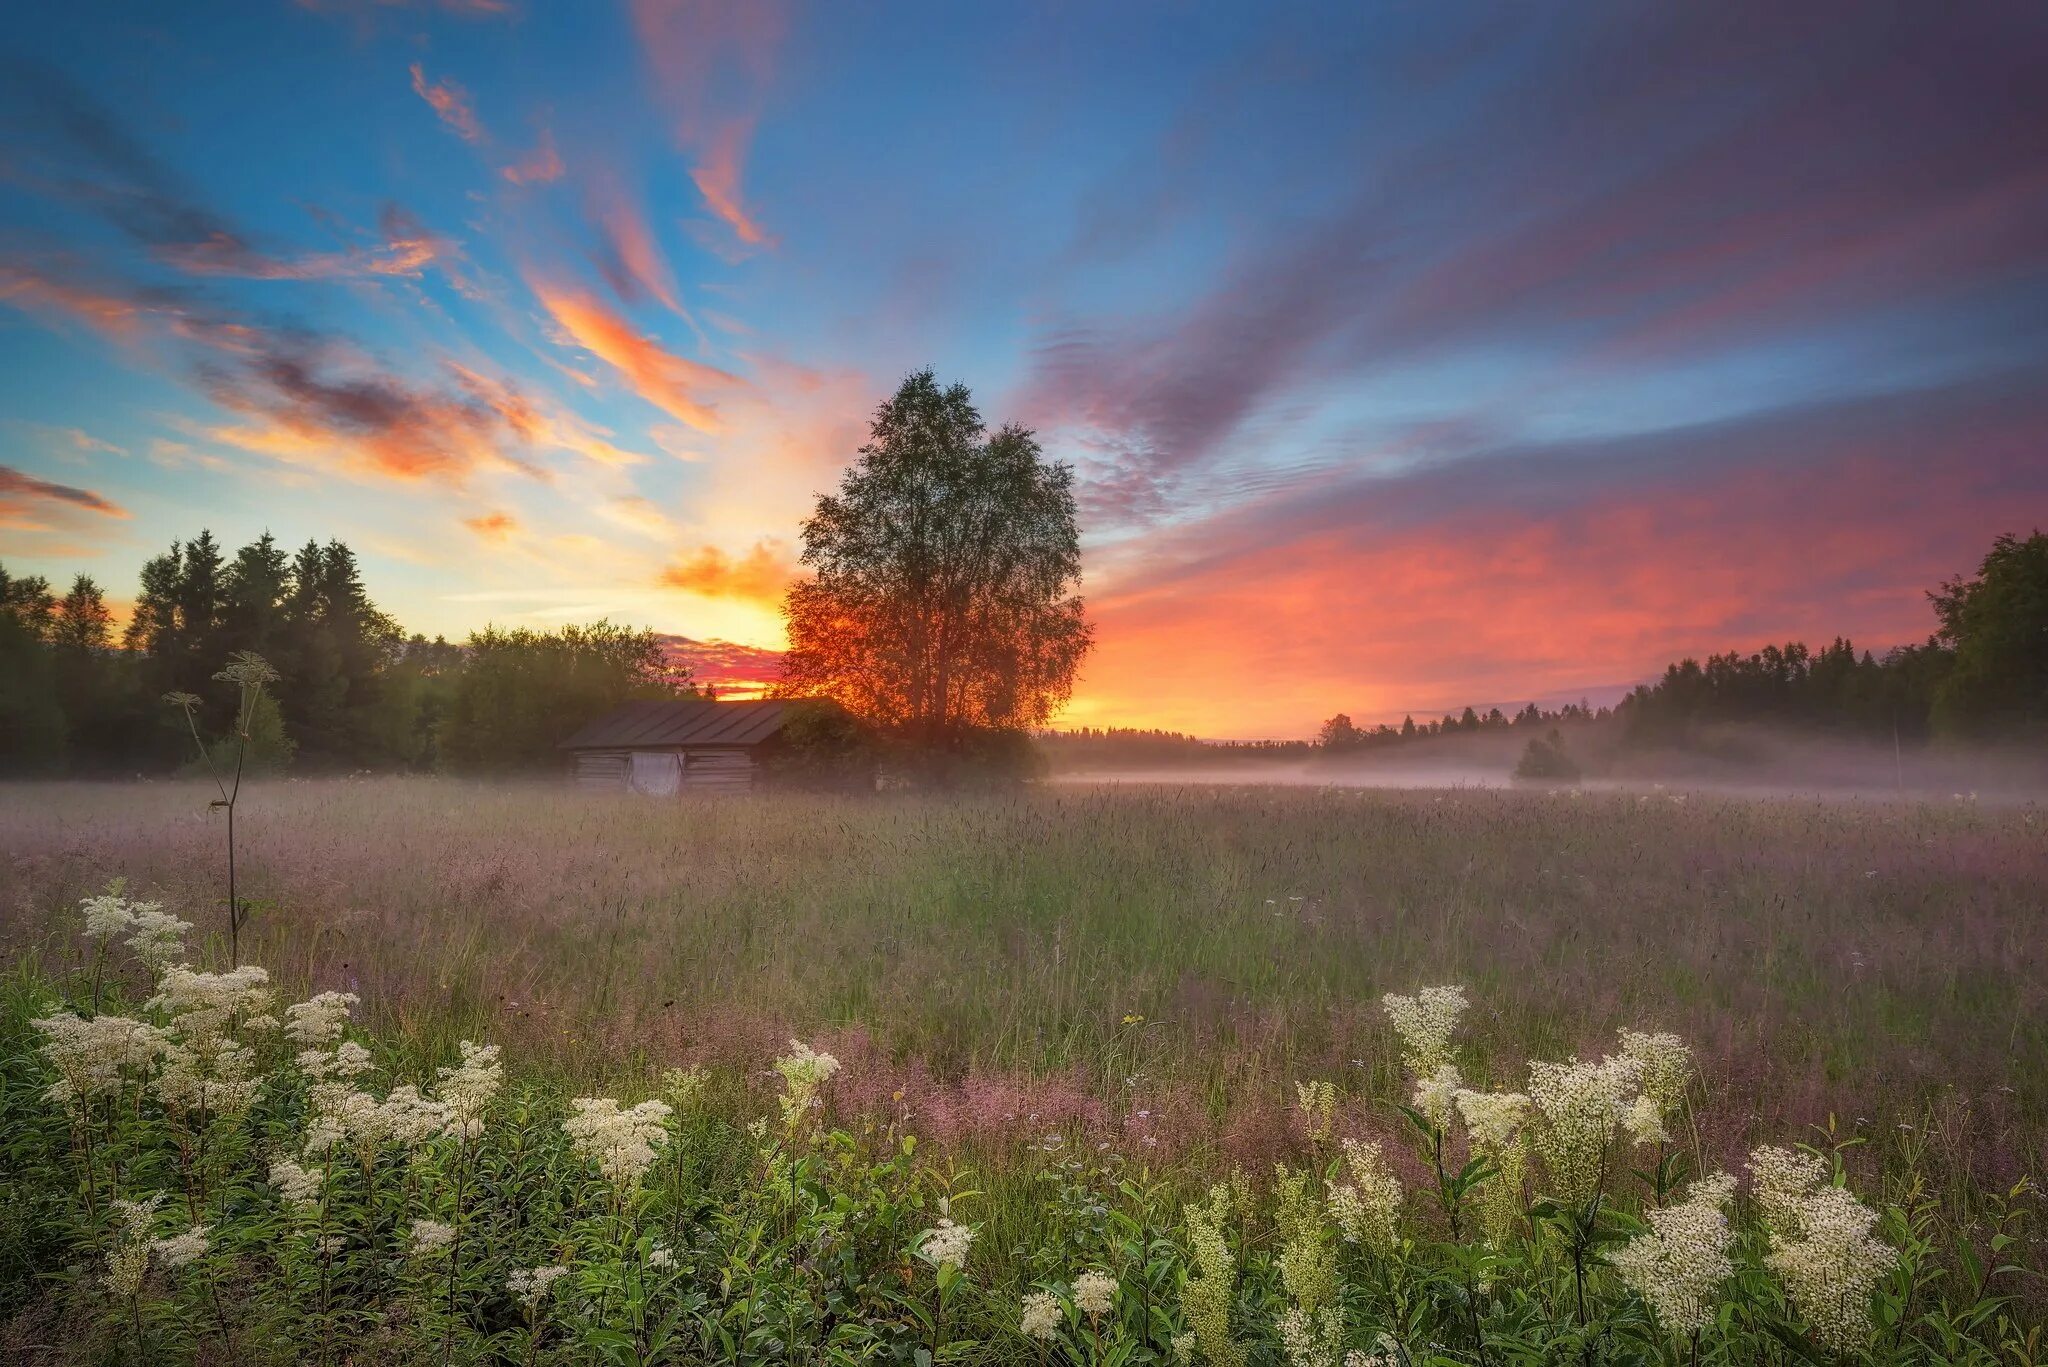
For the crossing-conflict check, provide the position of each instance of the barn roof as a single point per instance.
(663, 722)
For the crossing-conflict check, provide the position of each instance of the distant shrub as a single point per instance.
(1544, 761)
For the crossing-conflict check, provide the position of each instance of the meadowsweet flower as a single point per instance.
(620, 1142)
(317, 1022)
(1436, 1095)
(1496, 1122)
(212, 1075)
(108, 914)
(1679, 1266)
(661, 1257)
(180, 1249)
(1665, 1064)
(96, 1057)
(1783, 1178)
(1367, 1209)
(428, 1237)
(128, 1259)
(1205, 1299)
(1308, 1256)
(468, 1088)
(298, 1187)
(1094, 1293)
(532, 1284)
(1425, 1022)
(204, 1005)
(1041, 1316)
(1581, 1105)
(1312, 1340)
(156, 937)
(1183, 1348)
(946, 1245)
(330, 1245)
(804, 1070)
(1822, 1247)
(409, 1119)
(683, 1086)
(1317, 1101)
(1645, 1121)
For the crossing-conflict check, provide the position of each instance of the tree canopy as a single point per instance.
(942, 598)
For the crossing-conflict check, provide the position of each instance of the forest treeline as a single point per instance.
(354, 690)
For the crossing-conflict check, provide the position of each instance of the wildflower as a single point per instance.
(1645, 1122)
(156, 937)
(1094, 1293)
(409, 1119)
(108, 914)
(95, 1058)
(203, 1006)
(330, 1245)
(180, 1249)
(318, 1021)
(1425, 1022)
(128, 1259)
(1206, 1298)
(1783, 1178)
(1665, 1064)
(1821, 1246)
(532, 1284)
(1435, 1095)
(683, 1086)
(946, 1245)
(1318, 1103)
(1496, 1122)
(661, 1257)
(1581, 1104)
(1368, 1208)
(429, 1236)
(1308, 1258)
(468, 1088)
(621, 1142)
(1183, 1348)
(298, 1187)
(1682, 1262)
(1312, 1340)
(213, 1075)
(804, 1070)
(1041, 1316)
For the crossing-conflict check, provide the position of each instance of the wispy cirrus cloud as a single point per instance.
(493, 526)
(538, 166)
(711, 64)
(27, 502)
(670, 382)
(451, 104)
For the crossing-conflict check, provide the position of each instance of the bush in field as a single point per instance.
(202, 1176)
(1544, 760)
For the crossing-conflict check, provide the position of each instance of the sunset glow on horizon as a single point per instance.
(1408, 359)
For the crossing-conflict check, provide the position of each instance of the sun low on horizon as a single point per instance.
(1407, 358)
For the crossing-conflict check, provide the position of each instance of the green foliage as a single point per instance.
(1544, 760)
(941, 599)
(1997, 624)
(521, 692)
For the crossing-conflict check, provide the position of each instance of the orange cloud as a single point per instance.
(718, 180)
(538, 167)
(450, 102)
(664, 379)
(26, 499)
(759, 576)
(631, 260)
(492, 526)
(109, 314)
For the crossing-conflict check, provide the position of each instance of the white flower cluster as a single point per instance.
(318, 1021)
(621, 1142)
(298, 1187)
(128, 1260)
(1496, 1122)
(429, 1237)
(204, 1006)
(1367, 1209)
(1094, 1293)
(155, 936)
(1041, 1316)
(1679, 1266)
(468, 1089)
(1317, 1101)
(1425, 1022)
(1312, 1340)
(1821, 1245)
(946, 1245)
(532, 1284)
(1582, 1104)
(804, 1070)
(97, 1057)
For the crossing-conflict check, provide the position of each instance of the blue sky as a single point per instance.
(1409, 356)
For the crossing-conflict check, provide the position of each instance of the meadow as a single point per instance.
(1145, 976)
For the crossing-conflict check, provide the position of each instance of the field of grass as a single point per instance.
(1146, 971)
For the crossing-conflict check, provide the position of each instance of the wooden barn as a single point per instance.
(668, 746)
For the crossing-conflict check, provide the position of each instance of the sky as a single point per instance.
(1408, 356)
